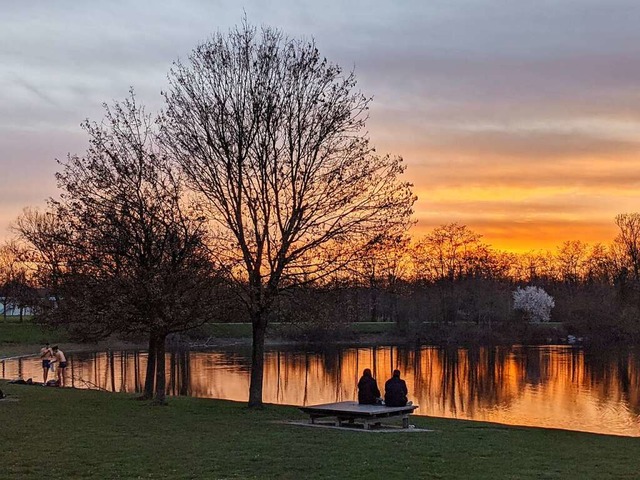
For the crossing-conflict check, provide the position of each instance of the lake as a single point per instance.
(547, 386)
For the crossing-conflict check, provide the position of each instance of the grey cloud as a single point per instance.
(531, 177)
(453, 82)
(527, 235)
(513, 145)
(37, 92)
(562, 204)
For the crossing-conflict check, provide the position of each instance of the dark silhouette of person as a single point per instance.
(368, 392)
(395, 391)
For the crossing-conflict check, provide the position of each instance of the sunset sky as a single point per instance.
(518, 119)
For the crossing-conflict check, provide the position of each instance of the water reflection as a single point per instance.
(559, 387)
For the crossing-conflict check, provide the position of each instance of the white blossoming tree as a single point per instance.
(534, 302)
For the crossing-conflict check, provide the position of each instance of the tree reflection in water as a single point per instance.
(551, 386)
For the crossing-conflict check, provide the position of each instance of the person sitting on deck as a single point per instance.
(368, 392)
(395, 391)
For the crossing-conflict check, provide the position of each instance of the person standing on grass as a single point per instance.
(46, 355)
(61, 360)
(395, 391)
(368, 392)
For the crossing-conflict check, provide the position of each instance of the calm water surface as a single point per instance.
(550, 386)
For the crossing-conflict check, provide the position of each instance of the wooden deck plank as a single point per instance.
(354, 409)
(350, 411)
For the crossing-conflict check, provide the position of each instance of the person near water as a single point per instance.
(368, 392)
(61, 364)
(395, 391)
(46, 355)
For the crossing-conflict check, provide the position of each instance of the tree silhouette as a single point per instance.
(132, 258)
(271, 135)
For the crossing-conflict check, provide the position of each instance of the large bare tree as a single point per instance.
(272, 135)
(134, 258)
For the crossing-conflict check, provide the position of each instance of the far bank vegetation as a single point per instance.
(446, 285)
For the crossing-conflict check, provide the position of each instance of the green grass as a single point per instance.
(17, 338)
(24, 333)
(243, 330)
(372, 327)
(13, 331)
(26, 337)
(226, 330)
(66, 433)
(240, 330)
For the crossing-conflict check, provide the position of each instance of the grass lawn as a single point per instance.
(372, 327)
(26, 337)
(226, 330)
(66, 433)
(243, 330)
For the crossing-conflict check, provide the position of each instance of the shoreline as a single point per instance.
(13, 351)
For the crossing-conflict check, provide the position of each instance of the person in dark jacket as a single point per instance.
(395, 391)
(368, 392)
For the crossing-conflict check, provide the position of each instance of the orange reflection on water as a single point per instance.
(558, 387)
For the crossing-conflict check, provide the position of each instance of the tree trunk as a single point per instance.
(112, 370)
(373, 299)
(184, 372)
(161, 379)
(149, 380)
(257, 361)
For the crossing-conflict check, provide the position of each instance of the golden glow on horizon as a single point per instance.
(526, 178)
(537, 208)
(518, 200)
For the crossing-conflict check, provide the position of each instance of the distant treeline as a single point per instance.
(445, 286)
(439, 286)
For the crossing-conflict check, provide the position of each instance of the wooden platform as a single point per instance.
(351, 411)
